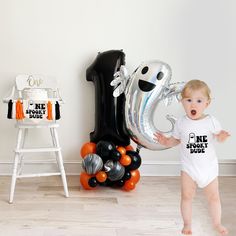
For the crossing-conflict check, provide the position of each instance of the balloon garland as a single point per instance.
(114, 166)
(108, 159)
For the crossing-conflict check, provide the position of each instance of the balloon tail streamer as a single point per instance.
(9, 112)
(138, 148)
(19, 111)
(49, 107)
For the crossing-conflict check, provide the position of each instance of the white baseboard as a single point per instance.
(172, 168)
(148, 168)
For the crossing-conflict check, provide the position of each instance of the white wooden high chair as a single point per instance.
(34, 103)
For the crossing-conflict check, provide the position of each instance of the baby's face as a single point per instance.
(194, 103)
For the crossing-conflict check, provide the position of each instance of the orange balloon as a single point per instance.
(101, 176)
(125, 160)
(88, 148)
(84, 178)
(135, 176)
(129, 185)
(121, 150)
(129, 148)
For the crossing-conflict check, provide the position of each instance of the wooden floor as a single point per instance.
(40, 209)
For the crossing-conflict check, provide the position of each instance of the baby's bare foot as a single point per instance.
(221, 229)
(187, 230)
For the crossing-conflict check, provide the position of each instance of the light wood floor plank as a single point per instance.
(40, 209)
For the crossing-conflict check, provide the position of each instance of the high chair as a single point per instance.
(35, 103)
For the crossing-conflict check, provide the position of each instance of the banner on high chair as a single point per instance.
(34, 110)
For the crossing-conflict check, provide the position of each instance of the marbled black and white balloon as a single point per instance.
(115, 171)
(92, 163)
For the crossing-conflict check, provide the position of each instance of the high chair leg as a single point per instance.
(54, 145)
(21, 156)
(13, 179)
(60, 160)
(53, 138)
(16, 161)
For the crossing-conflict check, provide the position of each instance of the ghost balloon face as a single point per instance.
(147, 86)
(149, 77)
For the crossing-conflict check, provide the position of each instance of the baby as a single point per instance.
(195, 132)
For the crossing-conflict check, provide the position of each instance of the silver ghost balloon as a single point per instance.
(144, 90)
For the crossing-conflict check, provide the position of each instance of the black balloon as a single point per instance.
(107, 183)
(127, 175)
(135, 160)
(115, 155)
(120, 183)
(109, 116)
(92, 182)
(104, 149)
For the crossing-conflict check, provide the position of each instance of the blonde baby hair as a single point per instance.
(196, 85)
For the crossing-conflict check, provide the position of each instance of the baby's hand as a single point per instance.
(160, 138)
(222, 136)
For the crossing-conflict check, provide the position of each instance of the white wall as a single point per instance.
(62, 37)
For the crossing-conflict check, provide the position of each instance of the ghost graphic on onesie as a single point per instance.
(198, 157)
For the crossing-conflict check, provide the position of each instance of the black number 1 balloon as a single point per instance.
(109, 110)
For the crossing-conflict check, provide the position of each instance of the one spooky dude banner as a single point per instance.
(33, 110)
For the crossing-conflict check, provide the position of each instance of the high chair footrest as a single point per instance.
(37, 175)
(25, 150)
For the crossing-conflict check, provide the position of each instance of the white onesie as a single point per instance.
(198, 157)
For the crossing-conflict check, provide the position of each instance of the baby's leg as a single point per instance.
(188, 189)
(213, 198)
